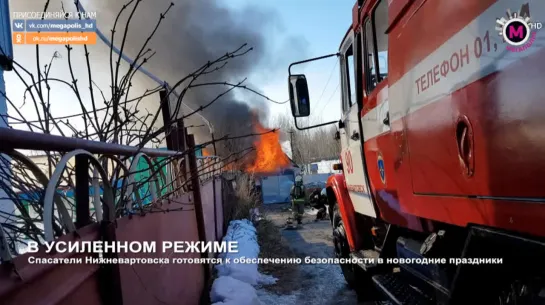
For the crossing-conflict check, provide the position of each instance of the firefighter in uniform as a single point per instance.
(318, 200)
(297, 195)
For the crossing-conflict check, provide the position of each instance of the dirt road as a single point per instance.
(317, 284)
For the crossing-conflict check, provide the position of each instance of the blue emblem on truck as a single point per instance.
(382, 172)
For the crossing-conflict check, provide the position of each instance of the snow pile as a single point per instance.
(230, 291)
(236, 280)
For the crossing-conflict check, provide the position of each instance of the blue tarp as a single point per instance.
(276, 188)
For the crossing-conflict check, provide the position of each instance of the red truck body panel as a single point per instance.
(466, 140)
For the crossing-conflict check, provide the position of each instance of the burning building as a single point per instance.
(274, 172)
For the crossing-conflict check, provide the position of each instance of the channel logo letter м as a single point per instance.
(516, 31)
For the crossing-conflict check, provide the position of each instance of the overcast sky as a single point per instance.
(301, 29)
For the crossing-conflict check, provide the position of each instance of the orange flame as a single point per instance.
(269, 154)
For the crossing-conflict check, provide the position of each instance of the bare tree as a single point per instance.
(309, 145)
(112, 116)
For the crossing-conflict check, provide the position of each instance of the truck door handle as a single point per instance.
(386, 120)
(464, 139)
(355, 136)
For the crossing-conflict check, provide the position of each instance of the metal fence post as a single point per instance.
(181, 133)
(214, 186)
(165, 110)
(82, 191)
(170, 135)
(110, 278)
(182, 145)
(199, 212)
(215, 208)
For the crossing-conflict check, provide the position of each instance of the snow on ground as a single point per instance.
(234, 285)
(321, 284)
(317, 284)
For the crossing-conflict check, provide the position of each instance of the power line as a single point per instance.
(330, 98)
(327, 83)
(280, 103)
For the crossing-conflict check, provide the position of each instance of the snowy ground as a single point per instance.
(320, 284)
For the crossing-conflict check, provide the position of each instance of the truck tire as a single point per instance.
(355, 277)
(335, 215)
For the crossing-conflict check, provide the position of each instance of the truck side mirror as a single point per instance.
(299, 97)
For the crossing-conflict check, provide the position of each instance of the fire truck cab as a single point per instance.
(442, 196)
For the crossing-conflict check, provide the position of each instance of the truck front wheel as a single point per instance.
(342, 250)
(355, 277)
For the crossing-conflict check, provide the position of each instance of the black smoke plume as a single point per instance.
(194, 32)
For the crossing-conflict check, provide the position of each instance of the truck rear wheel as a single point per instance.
(355, 277)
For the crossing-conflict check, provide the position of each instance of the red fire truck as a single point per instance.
(442, 196)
